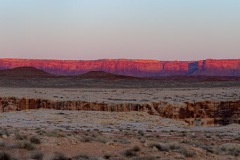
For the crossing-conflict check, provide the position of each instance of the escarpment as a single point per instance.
(137, 68)
(206, 113)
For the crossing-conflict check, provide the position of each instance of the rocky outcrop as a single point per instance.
(140, 68)
(198, 113)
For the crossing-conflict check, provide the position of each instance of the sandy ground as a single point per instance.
(107, 135)
(103, 121)
(85, 120)
(140, 95)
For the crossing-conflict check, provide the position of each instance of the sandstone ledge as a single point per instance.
(206, 113)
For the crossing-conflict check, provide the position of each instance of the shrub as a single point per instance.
(132, 152)
(136, 149)
(19, 136)
(129, 153)
(230, 149)
(101, 139)
(37, 155)
(35, 140)
(26, 145)
(186, 152)
(161, 147)
(55, 134)
(145, 158)
(140, 132)
(237, 138)
(2, 144)
(121, 140)
(81, 157)
(174, 146)
(5, 156)
(60, 156)
(107, 156)
(4, 132)
(86, 139)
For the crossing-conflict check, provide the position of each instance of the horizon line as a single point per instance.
(113, 59)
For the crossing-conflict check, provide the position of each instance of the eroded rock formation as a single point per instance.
(198, 113)
(141, 68)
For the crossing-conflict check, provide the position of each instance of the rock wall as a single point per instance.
(199, 113)
(141, 68)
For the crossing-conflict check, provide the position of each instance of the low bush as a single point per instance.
(37, 156)
(230, 149)
(130, 153)
(19, 136)
(35, 140)
(107, 156)
(26, 145)
(5, 156)
(60, 156)
(80, 157)
(2, 144)
(161, 147)
(185, 152)
(55, 134)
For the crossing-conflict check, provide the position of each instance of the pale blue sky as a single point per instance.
(135, 29)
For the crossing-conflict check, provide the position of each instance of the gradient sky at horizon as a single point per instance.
(134, 29)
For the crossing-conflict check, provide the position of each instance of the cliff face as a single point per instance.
(141, 68)
(199, 113)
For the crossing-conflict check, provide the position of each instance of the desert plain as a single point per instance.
(82, 122)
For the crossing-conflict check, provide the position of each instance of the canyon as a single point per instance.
(151, 105)
(204, 113)
(136, 68)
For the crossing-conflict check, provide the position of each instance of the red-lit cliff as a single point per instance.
(141, 68)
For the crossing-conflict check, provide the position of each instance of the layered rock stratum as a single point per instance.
(139, 68)
(194, 113)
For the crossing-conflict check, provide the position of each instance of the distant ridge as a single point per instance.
(135, 68)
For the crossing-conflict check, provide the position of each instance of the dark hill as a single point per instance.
(104, 75)
(24, 72)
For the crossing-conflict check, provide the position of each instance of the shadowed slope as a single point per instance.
(104, 75)
(24, 72)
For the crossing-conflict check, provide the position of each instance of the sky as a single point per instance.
(115, 29)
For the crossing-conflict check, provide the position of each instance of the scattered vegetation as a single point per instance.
(4, 131)
(186, 152)
(136, 149)
(80, 157)
(121, 140)
(41, 132)
(55, 134)
(37, 155)
(230, 149)
(145, 158)
(60, 156)
(5, 156)
(35, 140)
(174, 146)
(140, 132)
(26, 145)
(2, 144)
(132, 152)
(19, 136)
(107, 156)
(160, 147)
(86, 139)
